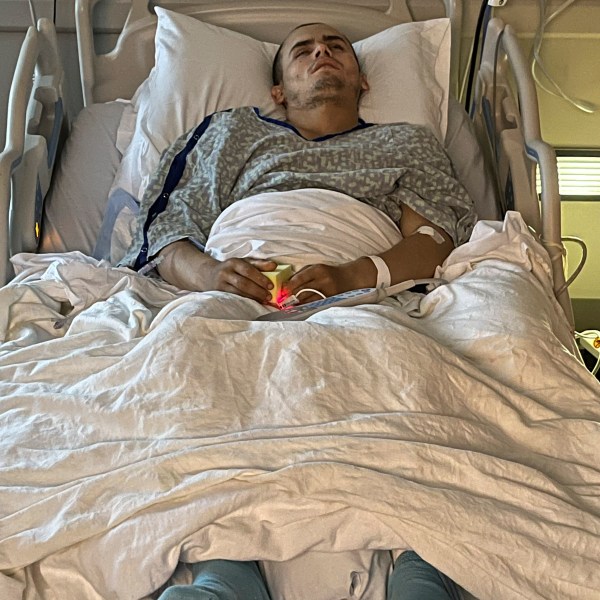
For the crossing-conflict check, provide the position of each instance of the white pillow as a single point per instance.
(202, 68)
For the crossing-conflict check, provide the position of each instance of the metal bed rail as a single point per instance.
(506, 116)
(36, 124)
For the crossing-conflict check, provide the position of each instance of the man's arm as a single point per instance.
(416, 256)
(187, 267)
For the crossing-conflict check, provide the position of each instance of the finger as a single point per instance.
(303, 278)
(262, 265)
(253, 274)
(302, 289)
(248, 288)
(261, 297)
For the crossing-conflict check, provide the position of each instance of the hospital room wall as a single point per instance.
(571, 48)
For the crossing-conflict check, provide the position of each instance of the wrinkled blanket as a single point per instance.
(142, 426)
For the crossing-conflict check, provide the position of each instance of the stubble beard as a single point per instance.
(327, 89)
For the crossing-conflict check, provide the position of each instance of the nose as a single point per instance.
(321, 48)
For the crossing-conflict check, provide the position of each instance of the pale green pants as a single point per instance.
(411, 579)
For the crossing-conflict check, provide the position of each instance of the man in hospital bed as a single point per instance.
(399, 169)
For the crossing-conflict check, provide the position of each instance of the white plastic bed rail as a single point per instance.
(35, 125)
(507, 116)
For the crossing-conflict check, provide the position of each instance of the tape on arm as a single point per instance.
(431, 232)
(384, 277)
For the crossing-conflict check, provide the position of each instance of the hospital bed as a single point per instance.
(145, 428)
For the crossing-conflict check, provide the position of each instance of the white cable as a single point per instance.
(582, 261)
(32, 13)
(591, 334)
(465, 79)
(562, 252)
(313, 291)
(583, 105)
(293, 299)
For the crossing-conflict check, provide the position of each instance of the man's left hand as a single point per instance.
(331, 279)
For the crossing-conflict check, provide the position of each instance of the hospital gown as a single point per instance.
(235, 154)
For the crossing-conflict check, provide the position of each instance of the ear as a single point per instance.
(278, 95)
(364, 84)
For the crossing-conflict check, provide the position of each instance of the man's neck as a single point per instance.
(321, 120)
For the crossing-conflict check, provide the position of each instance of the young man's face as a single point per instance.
(318, 65)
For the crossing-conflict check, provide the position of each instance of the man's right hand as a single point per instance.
(243, 276)
(187, 267)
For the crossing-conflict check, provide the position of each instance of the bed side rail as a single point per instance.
(506, 117)
(36, 123)
(118, 73)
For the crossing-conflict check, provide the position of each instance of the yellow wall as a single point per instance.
(582, 219)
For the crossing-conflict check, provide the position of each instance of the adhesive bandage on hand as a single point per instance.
(384, 277)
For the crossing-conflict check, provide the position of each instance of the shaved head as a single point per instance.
(277, 70)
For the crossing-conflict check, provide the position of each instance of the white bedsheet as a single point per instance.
(301, 227)
(156, 426)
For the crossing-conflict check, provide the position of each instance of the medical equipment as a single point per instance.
(278, 277)
(351, 298)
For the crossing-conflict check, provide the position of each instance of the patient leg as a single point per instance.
(221, 580)
(415, 579)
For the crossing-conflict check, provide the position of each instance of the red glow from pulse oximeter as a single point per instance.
(282, 296)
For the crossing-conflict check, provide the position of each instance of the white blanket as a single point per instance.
(301, 227)
(154, 426)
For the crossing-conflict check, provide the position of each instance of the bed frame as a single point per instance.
(267, 20)
(505, 109)
(36, 126)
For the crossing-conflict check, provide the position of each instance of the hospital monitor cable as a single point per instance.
(583, 105)
(591, 337)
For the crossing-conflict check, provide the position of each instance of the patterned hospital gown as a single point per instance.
(235, 154)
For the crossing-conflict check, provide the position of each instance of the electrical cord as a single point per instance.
(583, 105)
(591, 334)
(582, 261)
(33, 14)
(293, 299)
(562, 252)
(463, 84)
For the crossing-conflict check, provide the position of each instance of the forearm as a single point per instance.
(416, 256)
(188, 268)
(185, 266)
